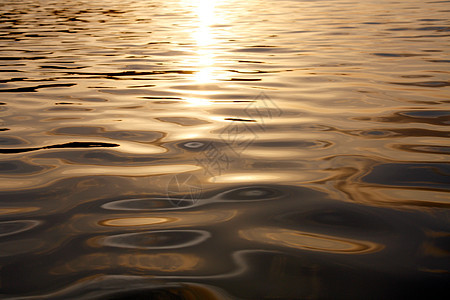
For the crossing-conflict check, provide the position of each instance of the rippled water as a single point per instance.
(224, 149)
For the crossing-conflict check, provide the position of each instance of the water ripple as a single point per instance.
(8, 228)
(162, 239)
(224, 149)
(66, 145)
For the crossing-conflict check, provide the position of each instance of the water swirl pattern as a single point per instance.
(223, 149)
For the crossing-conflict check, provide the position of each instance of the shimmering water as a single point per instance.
(224, 149)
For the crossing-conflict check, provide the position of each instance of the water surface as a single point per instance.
(224, 149)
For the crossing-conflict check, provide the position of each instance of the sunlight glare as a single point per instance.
(205, 11)
(198, 101)
(204, 39)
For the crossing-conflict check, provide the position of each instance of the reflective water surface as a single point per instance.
(200, 149)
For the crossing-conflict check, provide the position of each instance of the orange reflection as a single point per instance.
(393, 196)
(164, 262)
(17, 210)
(176, 219)
(309, 241)
(67, 171)
(250, 177)
(136, 221)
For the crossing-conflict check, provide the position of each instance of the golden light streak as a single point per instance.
(205, 10)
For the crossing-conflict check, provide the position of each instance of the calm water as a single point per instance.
(224, 149)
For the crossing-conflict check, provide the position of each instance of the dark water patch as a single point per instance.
(131, 107)
(418, 116)
(336, 218)
(134, 135)
(432, 84)
(29, 79)
(305, 225)
(243, 79)
(416, 76)
(431, 20)
(439, 60)
(11, 71)
(198, 145)
(194, 145)
(294, 144)
(141, 86)
(431, 149)
(396, 132)
(75, 19)
(81, 130)
(8, 228)
(36, 35)
(120, 287)
(67, 108)
(60, 67)
(397, 54)
(147, 204)
(129, 135)
(320, 280)
(11, 141)
(232, 101)
(172, 293)
(136, 92)
(434, 28)
(19, 167)
(417, 37)
(430, 102)
(35, 88)
(251, 62)
(100, 157)
(251, 193)
(372, 133)
(239, 120)
(66, 145)
(157, 239)
(13, 79)
(399, 29)
(22, 57)
(313, 225)
(425, 175)
(170, 102)
(131, 73)
(427, 113)
(161, 98)
(272, 164)
(252, 72)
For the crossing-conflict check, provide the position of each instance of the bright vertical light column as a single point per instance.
(204, 39)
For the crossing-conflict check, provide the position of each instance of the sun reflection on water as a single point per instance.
(205, 11)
